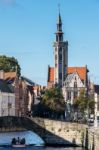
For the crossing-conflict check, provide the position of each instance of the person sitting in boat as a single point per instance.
(22, 141)
(18, 141)
(14, 141)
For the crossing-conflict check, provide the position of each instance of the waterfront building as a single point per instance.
(23, 91)
(7, 100)
(27, 95)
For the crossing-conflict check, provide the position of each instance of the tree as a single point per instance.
(84, 102)
(53, 99)
(52, 104)
(9, 64)
(81, 102)
(91, 103)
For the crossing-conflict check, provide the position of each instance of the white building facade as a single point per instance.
(7, 104)
(72, 87)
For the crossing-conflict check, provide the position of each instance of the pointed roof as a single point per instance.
(59, 19)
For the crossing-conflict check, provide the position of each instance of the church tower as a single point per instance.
(60, 55)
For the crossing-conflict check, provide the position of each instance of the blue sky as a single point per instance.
(27, 30)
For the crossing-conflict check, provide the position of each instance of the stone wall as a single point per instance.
(93, 139)
(64, 133)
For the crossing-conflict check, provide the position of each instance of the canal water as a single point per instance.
(31, 138)
(39, 148)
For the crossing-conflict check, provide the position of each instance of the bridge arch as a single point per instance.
(52, 132)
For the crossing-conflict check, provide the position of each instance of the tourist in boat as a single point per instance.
(18, 142)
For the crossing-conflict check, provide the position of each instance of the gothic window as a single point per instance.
(75, 84)
(69, 95)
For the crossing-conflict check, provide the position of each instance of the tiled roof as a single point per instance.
(81, 71)
(51, 74)
(10, 75)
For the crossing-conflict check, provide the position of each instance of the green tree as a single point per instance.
(9, 64)
(80, 103)
(52, 104)
(84, 102)
(53, 99)
(91, 103)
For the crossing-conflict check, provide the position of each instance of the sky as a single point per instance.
(27, 30)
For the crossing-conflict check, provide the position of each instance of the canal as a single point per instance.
(39, 148)
(31, 138)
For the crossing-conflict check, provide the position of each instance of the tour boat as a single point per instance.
(18, 142)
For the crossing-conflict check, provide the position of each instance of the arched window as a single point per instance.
(69, 95)
(75, 84)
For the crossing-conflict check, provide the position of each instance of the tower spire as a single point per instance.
(60, 54)
(59, 16)
(59, 33)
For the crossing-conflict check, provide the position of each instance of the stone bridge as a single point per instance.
(53, 132)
